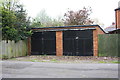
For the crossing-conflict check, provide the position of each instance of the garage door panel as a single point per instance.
(36, 47)
(69, 34)
(83, 33)
(80, 47)
(36, 42)
(88, 47)
(37, 36)
(49, 48)
(68, 47)
(49, 35)
(43, 43)
(78, 43)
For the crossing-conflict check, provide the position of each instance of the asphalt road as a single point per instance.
(19, 69)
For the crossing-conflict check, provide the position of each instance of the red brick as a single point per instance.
(59, 43)
(95, 43)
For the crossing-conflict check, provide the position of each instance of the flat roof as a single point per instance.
(66, 29)
(66, 26)
(70, 26)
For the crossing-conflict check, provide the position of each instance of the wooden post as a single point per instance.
(29, 46)
(59, 43)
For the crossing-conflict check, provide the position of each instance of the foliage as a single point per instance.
(80, 17)
(43, 20)
(9, 33)
(57, 22)
(8, 18)
(36, 24)
(15, 24)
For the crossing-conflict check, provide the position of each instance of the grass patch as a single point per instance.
(118, 62)
(13, 59)
(115, 62)
(54, 60)
(44, 55)
(34, 60)
(102, 62)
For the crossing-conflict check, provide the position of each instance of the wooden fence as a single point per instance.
(12, 49)
(109, 44)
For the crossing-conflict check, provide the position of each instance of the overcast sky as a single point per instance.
(103, 10)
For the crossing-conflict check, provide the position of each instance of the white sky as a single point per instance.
(103, 10)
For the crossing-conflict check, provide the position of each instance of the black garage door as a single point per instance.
(78, 43)
(43, 43)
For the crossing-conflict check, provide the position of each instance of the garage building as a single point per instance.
(79, 40)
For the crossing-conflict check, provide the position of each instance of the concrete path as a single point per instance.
(20, 69)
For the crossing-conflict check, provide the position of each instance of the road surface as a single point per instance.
(22, 69)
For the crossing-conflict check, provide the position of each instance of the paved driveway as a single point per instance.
(19, 69)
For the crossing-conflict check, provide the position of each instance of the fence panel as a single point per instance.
(12, 49)
(108, 45)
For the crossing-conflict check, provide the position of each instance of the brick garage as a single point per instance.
(80, 40)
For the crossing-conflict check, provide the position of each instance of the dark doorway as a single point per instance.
(78, 43)
(43, 43)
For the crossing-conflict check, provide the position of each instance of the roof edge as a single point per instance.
(117, 9)
(70, 26)
(102, 29)
(66, 26)
(66, 29)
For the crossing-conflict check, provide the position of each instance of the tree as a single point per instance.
(8, 22)
(15, 24)
(80, 17)
(58, 21)
(36, 24)
(43, 20)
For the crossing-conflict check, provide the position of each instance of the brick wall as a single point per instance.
(59, 43)
(99, 31)
(95, 42)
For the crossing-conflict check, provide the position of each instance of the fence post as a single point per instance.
(29, 46)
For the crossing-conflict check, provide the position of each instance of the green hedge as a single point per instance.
(108, 45)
